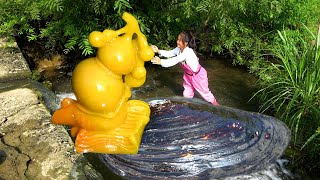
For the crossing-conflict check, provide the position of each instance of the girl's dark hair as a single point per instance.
(189, 38)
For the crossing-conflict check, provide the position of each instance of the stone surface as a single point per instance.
(12, 63)
(31, 147)
(35, 148)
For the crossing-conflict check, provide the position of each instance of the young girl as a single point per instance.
(195, 76)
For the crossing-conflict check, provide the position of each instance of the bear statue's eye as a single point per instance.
(121, 34)
(134, 36)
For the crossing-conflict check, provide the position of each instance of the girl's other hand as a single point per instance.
(155, 48)
(156, 60)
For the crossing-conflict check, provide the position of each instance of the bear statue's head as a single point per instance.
(119, 50)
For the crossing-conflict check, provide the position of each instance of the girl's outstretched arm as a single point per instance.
(165, 53)
(170, 53)
(156, 60)
(155, 48)
(168, 62)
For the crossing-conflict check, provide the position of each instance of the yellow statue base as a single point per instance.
(92, 133)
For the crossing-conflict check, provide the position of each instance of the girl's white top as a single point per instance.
(175, 56)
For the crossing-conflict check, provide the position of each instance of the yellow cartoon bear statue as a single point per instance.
(102, 118)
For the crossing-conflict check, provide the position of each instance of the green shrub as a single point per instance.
(62, 24)
(243, 29)
(291, 87)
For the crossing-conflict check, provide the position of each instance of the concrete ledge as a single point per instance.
(12, 64)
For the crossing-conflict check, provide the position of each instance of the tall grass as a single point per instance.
(290, 88)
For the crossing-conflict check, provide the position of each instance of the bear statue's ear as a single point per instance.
(97, 39)
(110, 34)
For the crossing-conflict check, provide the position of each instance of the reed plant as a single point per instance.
(290, 87)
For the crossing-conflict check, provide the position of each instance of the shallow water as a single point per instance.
(232, 87)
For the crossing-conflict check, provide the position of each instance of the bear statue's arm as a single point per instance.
(145, 53)
(138, 76)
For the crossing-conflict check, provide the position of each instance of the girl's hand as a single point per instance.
(155, 48)
(156, 60)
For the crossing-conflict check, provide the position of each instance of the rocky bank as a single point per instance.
(31, 147)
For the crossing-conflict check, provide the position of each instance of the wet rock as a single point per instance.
(91, 173)
(31, 147)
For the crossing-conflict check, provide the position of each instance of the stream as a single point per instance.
(232, 86)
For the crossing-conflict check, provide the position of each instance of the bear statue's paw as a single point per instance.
(66, 114)
(137, 117)
(66, 102)
(106, 142)
(138, 111)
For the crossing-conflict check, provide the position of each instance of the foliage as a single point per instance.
(244, 28)
(63, 24)
(66, 24)
(314, 143)
(239, 28)
(291, 87)
(164, 19)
